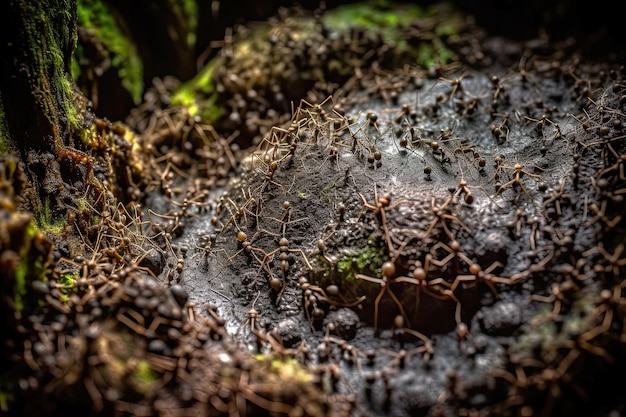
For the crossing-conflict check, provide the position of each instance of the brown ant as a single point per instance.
(456, 86)
(477, 274)
(618, 166)
(440, 219)
(240, 211)
(437, 288)
(313, 294)
(280, 284)
(501, 131)
(557, 296)
(253, 317)
(380, 207)
(541, 124)
(519, 172)
(388, 270)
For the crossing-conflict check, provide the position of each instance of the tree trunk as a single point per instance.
(40, 108)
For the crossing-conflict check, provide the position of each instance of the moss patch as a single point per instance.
(47, 222)
(199, 96)
(96, 15)
(391, 22)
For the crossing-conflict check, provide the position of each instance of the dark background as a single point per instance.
(595, 26)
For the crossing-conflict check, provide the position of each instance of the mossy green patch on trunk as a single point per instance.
(44, 41)
(97, 16)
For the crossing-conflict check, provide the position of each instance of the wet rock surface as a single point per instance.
(441, 219)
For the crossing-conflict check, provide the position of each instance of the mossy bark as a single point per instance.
(43, 125)
(41, 111)
(38, 42)
(122, 46)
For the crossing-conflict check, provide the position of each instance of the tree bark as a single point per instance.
(41, 111)
(39, 38)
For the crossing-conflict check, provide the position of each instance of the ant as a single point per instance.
(517, 179)
(246, 244)
(440, 219)
(469, 107)
(268, 174)
(388, 270)
(541, 124)
(283, 251)
(609, 301)
(501, 131)
(313, 294)
(618, 166)
(241, 211)
(380, 207)
(477, 274)
(253, 317)
(557, 296)
(441, 288)
(456, 86)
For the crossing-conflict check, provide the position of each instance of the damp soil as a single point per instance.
(489, 172)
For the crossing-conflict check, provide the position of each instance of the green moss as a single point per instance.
(50, 82)
(7, 390)
(282, 369)
(368, 261)
(144, 372)
(68, 282)
(47, 222)
(72, 114)
(430, 54)
(327, 195)
(375, 16)
(186, 98)
(81, 203)
(199, 95)
(343, 272)
(19, 287)
(32, 267)
(391, 20)
(96, 15)
(187, 10)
